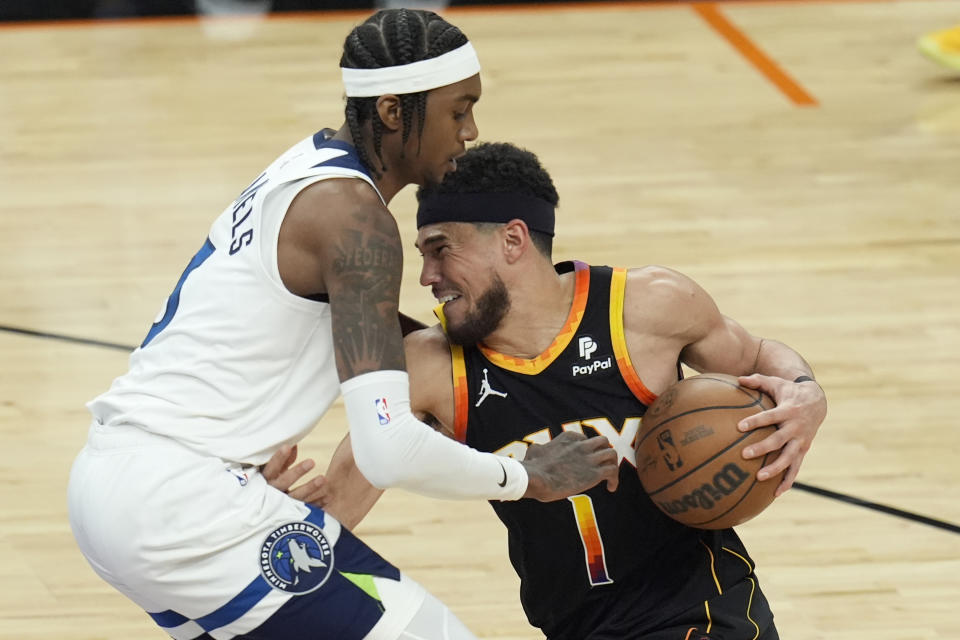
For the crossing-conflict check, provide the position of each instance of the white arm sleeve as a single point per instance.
(394, 449)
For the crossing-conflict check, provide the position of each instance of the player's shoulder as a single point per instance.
(653, 283)
(430, 368)
(428, 344)
(323, 210)
(661, 301)
(340, 195)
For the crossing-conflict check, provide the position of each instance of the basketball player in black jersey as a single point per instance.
(533, 349)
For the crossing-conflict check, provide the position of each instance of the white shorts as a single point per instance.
(212, 551)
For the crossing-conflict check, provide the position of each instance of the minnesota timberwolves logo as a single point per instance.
(296, 558)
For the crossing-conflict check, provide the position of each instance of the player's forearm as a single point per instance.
(777, 359)
(394, 449)
(351, 496)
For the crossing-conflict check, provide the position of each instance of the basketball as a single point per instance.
(689, 452)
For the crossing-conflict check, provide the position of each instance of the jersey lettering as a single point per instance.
(242, 209)
(621, 440)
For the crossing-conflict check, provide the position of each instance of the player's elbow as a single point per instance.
(373, 462)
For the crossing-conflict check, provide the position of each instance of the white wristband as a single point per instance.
(394, 449)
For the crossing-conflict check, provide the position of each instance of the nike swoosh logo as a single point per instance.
(504, 483)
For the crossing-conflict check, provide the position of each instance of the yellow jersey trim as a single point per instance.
(618, 285)
(461, 393)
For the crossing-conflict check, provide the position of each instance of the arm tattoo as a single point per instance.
(365, 295)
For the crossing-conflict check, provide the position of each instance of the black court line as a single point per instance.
(882, 508)
(826, 493)
(65, 338)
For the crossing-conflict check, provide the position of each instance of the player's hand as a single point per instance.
(570, 464)
(280, 473)
(801, 408)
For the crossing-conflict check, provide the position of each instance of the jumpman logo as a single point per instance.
(487, 390)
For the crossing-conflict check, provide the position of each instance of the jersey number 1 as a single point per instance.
(590, 537)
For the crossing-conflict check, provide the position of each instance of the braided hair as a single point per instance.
(389, 38)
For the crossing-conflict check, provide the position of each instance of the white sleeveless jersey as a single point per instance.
(236, 365)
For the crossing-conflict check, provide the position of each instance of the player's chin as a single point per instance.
(448, 167)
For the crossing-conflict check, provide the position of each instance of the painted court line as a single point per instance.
(764, 64)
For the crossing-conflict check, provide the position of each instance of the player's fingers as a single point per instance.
(770, 417)
(286, 479)
(772, 442)
(607, 462)
(755, 381)
(569, 436)
(788, 479)
(597, 443)
(613, 482)
(277, 463)
(788, 457)
(315, 491)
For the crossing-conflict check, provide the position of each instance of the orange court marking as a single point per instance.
(751, 52)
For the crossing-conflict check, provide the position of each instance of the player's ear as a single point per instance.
(388, 108)
(516, 239)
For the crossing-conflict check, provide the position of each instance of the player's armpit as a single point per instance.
(435, 424)
(409, 325)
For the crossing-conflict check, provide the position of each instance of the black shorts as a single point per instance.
(741, 612)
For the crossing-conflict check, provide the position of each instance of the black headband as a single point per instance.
(486, 207)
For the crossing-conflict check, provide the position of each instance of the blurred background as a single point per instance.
(72, 9)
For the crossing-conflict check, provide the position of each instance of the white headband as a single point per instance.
(450, 67)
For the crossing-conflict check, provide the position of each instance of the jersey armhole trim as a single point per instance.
(618, 284)
(287, 191)
(461, 392)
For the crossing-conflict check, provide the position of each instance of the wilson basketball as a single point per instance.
(689, 452)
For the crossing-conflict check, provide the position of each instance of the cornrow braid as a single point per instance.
(389, 38)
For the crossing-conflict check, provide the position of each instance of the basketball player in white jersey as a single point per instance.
(291, 301)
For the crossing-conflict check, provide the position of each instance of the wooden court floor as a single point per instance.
(799, 159)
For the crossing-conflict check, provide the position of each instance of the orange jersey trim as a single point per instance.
(532, 367)
(618, 285)
(461, 393)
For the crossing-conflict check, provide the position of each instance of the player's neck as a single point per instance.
(539, 308)
(389, 183)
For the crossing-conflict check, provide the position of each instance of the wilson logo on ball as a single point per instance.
(725, 482)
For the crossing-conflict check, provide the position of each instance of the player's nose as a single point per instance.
(429, 274)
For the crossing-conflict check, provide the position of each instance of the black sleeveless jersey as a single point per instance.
(600, 564)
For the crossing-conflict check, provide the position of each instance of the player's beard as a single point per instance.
(484, 318)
